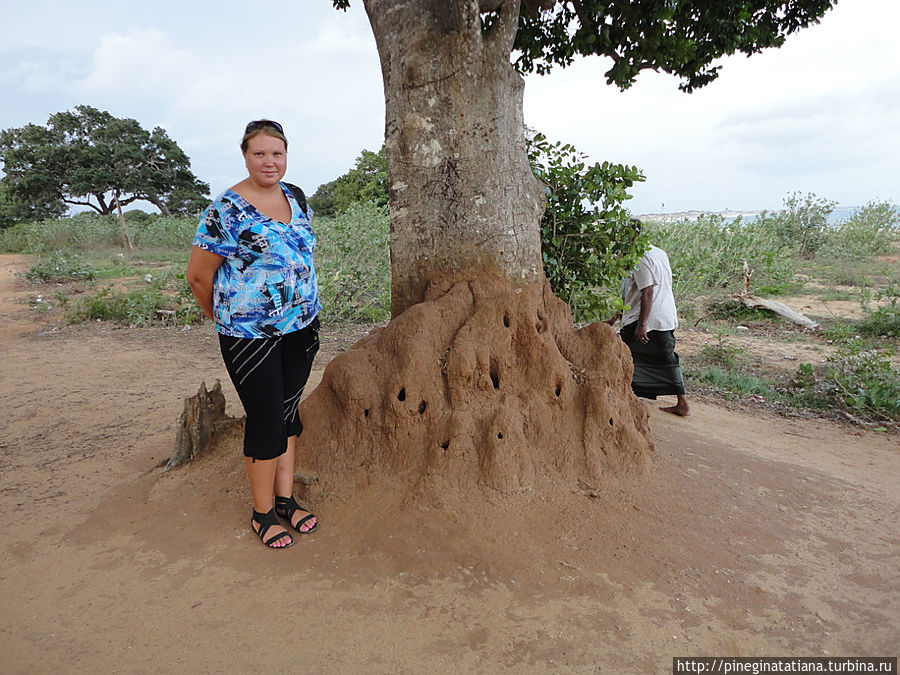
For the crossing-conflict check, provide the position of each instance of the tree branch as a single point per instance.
(586, 18)
(87, 203)
(503, 34)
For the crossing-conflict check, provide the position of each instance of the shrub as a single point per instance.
(174, 232)
(587, 240)
(802, 224)
(709, 254)
(60, 266)
(856, 379)
(353, 264)
(80, 232)
(14, 239)
(884, 321)
(868, 232)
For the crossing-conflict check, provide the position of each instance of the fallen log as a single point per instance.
(201, 417)
(779, 308)
(782, 310)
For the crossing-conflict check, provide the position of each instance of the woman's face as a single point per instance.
(266, 160)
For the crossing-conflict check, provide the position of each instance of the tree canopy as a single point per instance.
(88, 157)
(679, 37)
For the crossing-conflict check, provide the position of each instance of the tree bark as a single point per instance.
(463, 199)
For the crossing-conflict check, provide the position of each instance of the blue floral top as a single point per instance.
(267, 284)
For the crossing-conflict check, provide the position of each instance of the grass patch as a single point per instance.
(722, 354)
(835, 295)
(59, 267)
(838, 330)
(732, 310)
(734, 384)
(846, 276)
(157, 303)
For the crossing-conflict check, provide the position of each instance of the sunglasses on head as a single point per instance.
(259, 124)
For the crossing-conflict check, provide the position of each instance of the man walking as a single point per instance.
(648, 328)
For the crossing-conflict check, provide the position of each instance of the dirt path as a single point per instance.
(750, 536)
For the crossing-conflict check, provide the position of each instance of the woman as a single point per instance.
(251, 271)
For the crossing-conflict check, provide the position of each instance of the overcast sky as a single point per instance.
(820, 115)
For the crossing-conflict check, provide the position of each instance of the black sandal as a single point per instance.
(286, 507)
(265, 522)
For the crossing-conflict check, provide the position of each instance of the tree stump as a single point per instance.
(202, 415)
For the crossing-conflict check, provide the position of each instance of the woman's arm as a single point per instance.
(201, 271)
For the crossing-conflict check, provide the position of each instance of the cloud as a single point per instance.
(142, 62)
(321, 79)
(30, 76)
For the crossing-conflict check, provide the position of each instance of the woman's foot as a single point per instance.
(261, 523)
(301, 520)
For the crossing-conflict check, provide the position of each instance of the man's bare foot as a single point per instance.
(682, 411)
(681, 408)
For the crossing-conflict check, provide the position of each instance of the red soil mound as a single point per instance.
(482, 385)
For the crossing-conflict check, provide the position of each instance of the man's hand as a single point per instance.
(641, 333)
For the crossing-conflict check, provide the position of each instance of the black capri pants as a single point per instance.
(269, 375)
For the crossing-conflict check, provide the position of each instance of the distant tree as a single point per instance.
(322, 200)
(33, 193)
(13, 211)
(366, 181)
(87, 157)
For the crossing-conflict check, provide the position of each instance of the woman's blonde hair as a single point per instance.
(267, 127)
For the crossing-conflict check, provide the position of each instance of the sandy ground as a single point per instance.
(751, 535)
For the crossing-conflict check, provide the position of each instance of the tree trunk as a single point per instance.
(480, 380)
(463, 199)
(121, 217)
